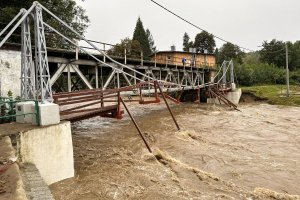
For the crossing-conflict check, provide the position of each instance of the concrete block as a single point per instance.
(234, 96)
(50, 149)
(49, 114)
(23, 108)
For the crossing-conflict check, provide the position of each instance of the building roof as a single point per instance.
(185, 52)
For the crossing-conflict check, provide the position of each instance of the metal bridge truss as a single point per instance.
(37, 83)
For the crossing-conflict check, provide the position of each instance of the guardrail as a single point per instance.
(8, 110)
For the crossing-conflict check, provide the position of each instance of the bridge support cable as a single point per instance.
(39, 84)
(162, 94)
(87, 41)
(98, 60)
(96, 48)
(136, 126)
(25, 14)
(22, 11)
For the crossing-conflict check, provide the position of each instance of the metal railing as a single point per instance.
(8, 110)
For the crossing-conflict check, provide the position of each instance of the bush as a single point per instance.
(261, 73)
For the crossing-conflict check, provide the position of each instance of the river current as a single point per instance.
(218, 154)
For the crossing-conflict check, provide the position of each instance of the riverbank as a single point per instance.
(275, 94)
(219, 154)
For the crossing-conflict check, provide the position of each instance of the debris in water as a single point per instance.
(263, 193)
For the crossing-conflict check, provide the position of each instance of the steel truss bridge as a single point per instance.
(99, 72)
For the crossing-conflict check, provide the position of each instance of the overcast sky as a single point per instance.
(243, 22)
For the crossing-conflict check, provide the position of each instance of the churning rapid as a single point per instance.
(219, 154)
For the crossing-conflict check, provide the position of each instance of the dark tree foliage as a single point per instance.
(228, 52)
(133, 49)
(273, 52)
(187, 44)
(151, 41)
(67, 10)
(141, 36)
(204, 41)
(294, 55)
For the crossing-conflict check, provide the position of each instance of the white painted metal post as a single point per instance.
(27, 67)
(104, 58)
(125, 56)
(69, 79)
(118, 79)
(43, 87)
(142, 57)
(97, 78)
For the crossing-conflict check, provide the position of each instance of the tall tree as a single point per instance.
(133, 48)
(228, 52)
(294, 51)
(141, 36)
(67, 10)
(186, 42)
(151, 41)
(204, 41)
(273, 52)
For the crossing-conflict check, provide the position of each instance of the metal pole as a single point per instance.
(162, 94)
(125, 56)
(13, 20)
(69, 79)
(287, 71)
(142, 61)
(97, 76)
(136, 126)
(104, 58)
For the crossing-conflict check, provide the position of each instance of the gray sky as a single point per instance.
(244, 22)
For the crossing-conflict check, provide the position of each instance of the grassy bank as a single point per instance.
(276, 94)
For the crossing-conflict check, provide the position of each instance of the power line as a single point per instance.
(163, 7)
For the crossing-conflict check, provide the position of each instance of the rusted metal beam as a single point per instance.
(161, 92)
(136, 126)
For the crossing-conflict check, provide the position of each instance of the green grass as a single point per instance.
(276, 94)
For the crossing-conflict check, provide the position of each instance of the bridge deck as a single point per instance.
(90, 113)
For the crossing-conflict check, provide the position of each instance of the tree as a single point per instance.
(230, 51)
(294, 55)
(151, 41)
(204, 41)
(141, 36)
(133, 48)
(67, 10)
(273, 53)
(187, 44)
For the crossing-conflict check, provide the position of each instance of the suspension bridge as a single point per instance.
(104, 78)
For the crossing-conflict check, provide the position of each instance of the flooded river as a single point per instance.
(218, 154)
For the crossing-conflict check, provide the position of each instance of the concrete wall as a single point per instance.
(175, 58)
(233, 96)
(50, 149)
(10, 72)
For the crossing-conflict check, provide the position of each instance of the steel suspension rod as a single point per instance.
(136, 126)
(163, 95)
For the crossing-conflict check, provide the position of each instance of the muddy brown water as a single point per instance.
(218, 154)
